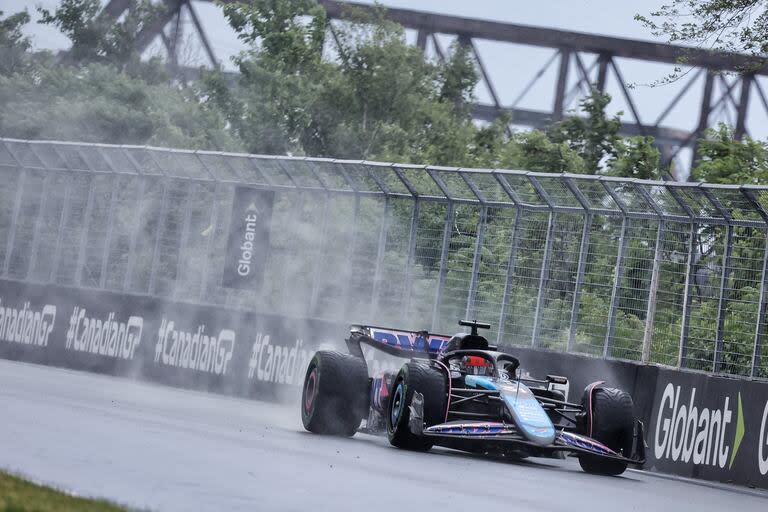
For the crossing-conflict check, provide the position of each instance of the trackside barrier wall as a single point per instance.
(697, 425)
(198, 347)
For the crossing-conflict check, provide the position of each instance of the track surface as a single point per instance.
(169, 449)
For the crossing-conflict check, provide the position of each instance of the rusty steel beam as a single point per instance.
(741, 115)
(148, 34)
(539, 119)
(431, 23)
(562, 80)
(115, 8)
(553, 38)
(567, 43)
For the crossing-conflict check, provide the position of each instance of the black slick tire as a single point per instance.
(334, 398)
(613, 425)
(432, 385)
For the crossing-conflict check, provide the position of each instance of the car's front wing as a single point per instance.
(500, 433)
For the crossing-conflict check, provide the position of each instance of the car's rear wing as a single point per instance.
(396, 342)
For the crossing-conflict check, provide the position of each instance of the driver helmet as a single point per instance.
(476, 365)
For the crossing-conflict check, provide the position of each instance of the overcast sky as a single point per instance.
(510, 66)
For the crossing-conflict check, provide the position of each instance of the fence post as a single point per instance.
(294, 245)
(760, 327)
(14, 220)
(160, 229)
(108, 235)
(184, 238)
(685, 326)
(471, 296)
(443, 264)
(131, 264)
(81, 257)
(215, 205)
(652, 291)
(60, 232)
(411, 257)
(543, 278)
(351, 255)
(380, 252)
(617, 276)
(582, 265)
(510, 273)
(38, 225)
(723, 299)
(317, 268)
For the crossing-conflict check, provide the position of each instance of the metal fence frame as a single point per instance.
(633, 204)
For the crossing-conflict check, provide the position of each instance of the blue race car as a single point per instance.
(462, 393)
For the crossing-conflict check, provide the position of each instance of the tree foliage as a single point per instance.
(595, 137)
(730, 25)
(97, 38)
(108, 95)
(14, 45)
(98, 104)
(725, 159)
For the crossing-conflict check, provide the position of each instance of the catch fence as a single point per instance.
(664, 272)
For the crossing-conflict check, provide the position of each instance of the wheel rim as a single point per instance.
(397, 404)
(310, 391)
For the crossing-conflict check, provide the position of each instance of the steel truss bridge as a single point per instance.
(715, 81)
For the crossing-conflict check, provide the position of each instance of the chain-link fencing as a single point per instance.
(663, 272)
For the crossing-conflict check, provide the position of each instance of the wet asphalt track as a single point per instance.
(173, 450)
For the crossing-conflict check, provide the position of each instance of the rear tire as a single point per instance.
(613, 425)
(334, 399)
(431, 384)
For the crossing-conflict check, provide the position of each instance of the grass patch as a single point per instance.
(19, 495)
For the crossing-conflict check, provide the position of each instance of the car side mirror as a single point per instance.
(557, 379)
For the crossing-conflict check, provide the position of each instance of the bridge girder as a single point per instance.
(572, 49)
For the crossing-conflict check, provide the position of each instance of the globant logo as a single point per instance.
(685, 432)
(103, 337)
(276, 363)
(198, 351)
(249, 236)
(27, 326)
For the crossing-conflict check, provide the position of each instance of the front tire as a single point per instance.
(613, 425)
(334, 399)
(431, 384)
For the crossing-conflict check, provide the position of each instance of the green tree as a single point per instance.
(536, 151)
(276, 33)
(96, 103)
(281, 73)
(595, 137)
(725, 159)
(731, 25)
(636, 157)
(13, 44)
(457, 78)
(380, 98)
(98, 38)
(587, 142)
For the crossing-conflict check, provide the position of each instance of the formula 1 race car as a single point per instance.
(462, 393)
